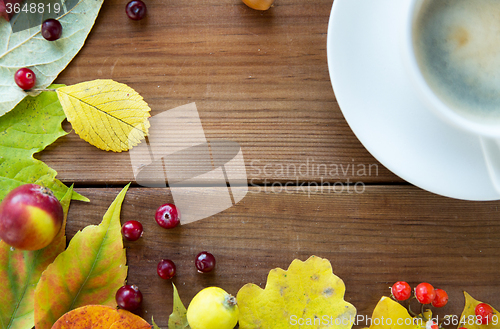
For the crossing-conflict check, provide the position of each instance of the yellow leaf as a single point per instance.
(468, 318)
(307, 295)
(107, 114)
(389, 314)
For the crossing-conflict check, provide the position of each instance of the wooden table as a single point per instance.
(261, 79)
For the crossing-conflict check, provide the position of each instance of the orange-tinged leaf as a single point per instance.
(100, 317)
(88, 272)
(468, 318)
(20, 272)
(107, 114)
(307, 295)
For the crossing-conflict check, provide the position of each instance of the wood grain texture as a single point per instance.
(372, 239)
(258, 78)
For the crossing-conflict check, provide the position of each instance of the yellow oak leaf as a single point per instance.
(469, 320)
(107, 114)
(307, 295)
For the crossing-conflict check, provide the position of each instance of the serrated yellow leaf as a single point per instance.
(307, 295)
(107, 114)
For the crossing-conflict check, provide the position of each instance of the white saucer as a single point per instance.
(382, 108)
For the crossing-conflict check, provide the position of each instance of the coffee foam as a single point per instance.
(457, 44)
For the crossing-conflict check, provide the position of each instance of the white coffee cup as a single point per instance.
(458, 82)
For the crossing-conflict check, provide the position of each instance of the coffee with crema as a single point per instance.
(457, 45)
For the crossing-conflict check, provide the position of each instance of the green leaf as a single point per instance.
(20, 272)
(178, 319)
(47, 59)
(88, 272)
(33, 125)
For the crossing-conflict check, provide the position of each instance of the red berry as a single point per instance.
(441, 298)
(166, 269)
(205, 262)
(25, 78)
(484, 313)
(167, 216)
(132, 230)
(51, 29)
(425, 293)
(129, 297)
(401, 290)
(136, 9)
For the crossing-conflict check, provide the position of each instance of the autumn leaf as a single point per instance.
(178, 319)
(29, 128)
(88, 272)
(468, 318)
(100, 317)
(389, 314)
(107, 114)
(20, 272)
(308, 292)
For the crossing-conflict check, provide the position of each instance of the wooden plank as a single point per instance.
(259, 79)
(374, 238)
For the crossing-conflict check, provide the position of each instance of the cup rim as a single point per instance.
(426, 93)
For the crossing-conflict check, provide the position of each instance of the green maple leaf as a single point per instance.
(29, 128)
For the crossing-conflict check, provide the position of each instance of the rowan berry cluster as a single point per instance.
(426, 294)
